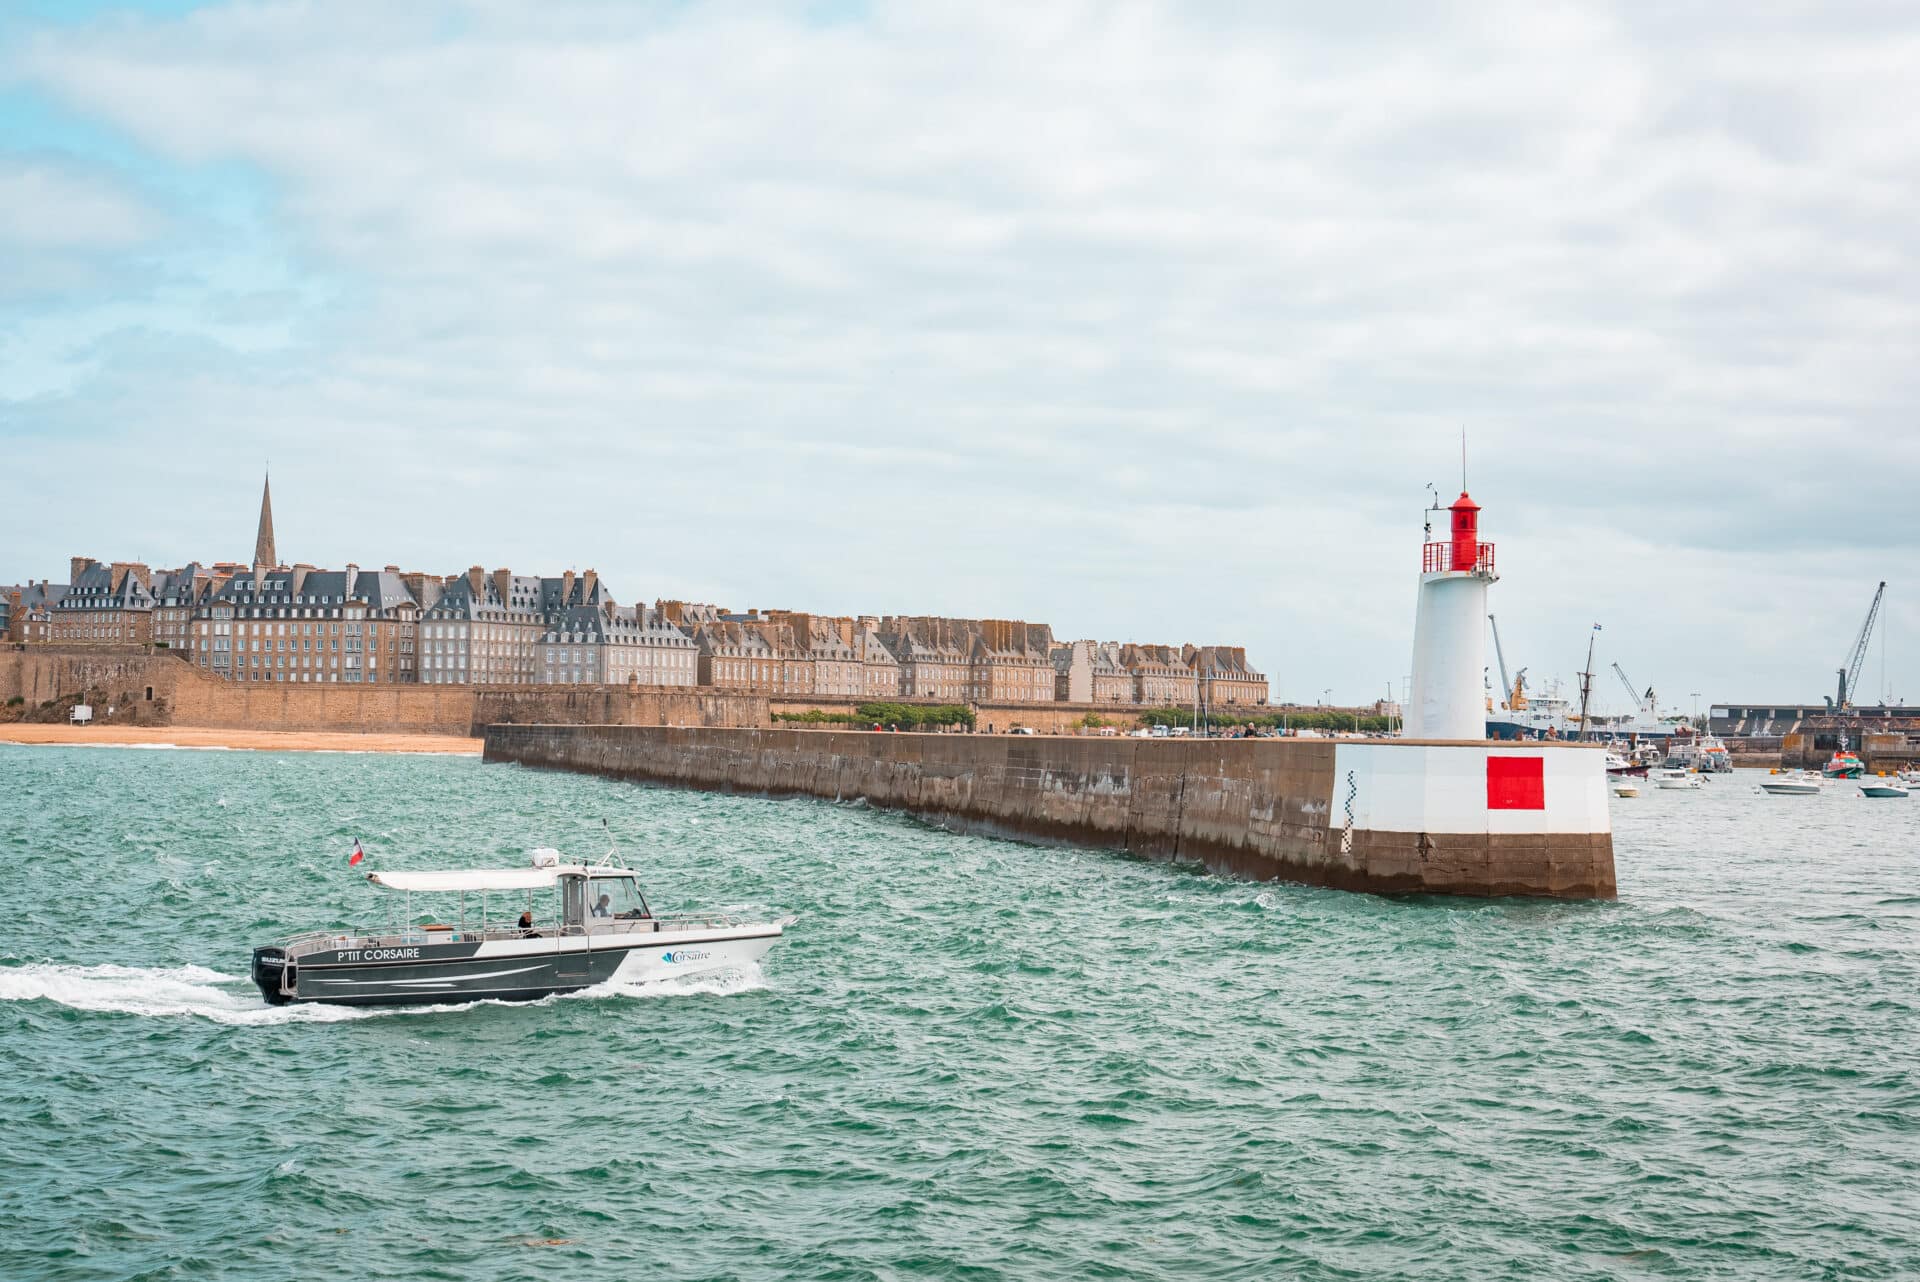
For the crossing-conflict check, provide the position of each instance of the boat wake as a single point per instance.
(157, 990)
(231, 999)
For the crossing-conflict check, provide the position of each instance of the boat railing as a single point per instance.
(321, 941)
(667, 922)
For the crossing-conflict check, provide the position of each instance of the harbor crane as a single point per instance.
(1850, 675)
(1642, 701)
(1506, 682)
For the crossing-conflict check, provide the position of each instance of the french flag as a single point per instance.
(358, 854)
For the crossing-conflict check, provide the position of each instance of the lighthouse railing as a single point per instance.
(1437, 558)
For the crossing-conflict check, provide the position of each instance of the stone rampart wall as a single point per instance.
(1256, 808)
(183, 695)
(1043, 718)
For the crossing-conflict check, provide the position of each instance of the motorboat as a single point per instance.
(1793, 785)
(1675, 777)
(1624, 788)
(1714, 757)
(550, 927)
(1885, 788)
(1618, 767)
(1843, 765)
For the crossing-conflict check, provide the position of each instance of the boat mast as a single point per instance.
(1586, 682)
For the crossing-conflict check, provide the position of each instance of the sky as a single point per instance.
(1149, 321)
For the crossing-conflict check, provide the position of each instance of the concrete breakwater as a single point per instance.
(1378, 816)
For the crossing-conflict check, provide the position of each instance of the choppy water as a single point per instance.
(970, 1059)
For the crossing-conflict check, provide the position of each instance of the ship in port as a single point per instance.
(1522, 714)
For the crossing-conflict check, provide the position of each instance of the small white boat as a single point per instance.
(1675, 777)
(1884, 790)
(1625, 789)
(1800, 785)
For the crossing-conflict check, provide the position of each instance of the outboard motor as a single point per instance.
(273, 974)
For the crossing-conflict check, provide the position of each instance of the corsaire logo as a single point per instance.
(1516, 783)
(684, 955)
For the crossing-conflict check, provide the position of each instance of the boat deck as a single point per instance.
(320, 941)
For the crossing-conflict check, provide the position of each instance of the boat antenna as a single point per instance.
(612, 846)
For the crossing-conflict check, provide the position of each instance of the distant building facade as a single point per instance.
(265, 621)
(1225, 680)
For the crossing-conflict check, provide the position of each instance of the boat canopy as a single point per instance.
(471, 879)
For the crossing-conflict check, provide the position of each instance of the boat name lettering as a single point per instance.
(685, 955)
(380, 954)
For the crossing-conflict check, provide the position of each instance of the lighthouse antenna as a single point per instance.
(1463, 460)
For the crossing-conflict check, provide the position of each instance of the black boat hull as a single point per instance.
(437, 974)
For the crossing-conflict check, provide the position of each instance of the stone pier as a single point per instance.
(1382, 816)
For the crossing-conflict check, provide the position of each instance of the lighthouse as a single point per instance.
(1450, 632)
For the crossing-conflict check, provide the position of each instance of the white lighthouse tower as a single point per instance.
(1450, 633)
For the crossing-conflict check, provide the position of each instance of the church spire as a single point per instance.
(263, 557)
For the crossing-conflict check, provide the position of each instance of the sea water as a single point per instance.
(969, 1059)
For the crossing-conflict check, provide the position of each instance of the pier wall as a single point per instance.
(1380, 816)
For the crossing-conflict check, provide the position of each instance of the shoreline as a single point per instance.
(42, 734)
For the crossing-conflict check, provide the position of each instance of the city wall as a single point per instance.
(145, 687)
(998, 718)
(1375, 816)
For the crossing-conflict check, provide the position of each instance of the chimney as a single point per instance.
(503, 585)
(588, 582)
(475, 577)
(353, 577)
(393, 569)
(566, 588)
(77, 566)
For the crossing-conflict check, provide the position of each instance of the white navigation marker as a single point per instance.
(1450, 633)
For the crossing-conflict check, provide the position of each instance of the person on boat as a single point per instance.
(526, 922)
(602, 909)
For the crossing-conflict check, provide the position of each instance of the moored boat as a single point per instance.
(1675, 777)
(567, 927)
(1792, 785)
(1844, 765)
(1886, 789)
(1618, 767)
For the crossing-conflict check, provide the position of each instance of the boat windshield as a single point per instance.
(615, 897)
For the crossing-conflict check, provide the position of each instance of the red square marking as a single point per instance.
(1516, 783)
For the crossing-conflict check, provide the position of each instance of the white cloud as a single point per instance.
(1145, 319)
(46, 205)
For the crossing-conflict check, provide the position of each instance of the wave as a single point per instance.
(196, 991)
(156, 990)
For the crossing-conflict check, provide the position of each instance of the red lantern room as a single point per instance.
(1466, 532)
(1463, 552)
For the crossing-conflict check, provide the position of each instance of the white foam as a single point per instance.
(196, 991)
(153, 990)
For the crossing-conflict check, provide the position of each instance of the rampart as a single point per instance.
(1380, 816)
(157, 688)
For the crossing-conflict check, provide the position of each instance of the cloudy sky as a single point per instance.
(1151, 321)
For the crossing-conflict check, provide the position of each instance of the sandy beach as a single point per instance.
(250, 740)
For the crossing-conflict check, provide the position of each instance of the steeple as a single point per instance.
(263, 557)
